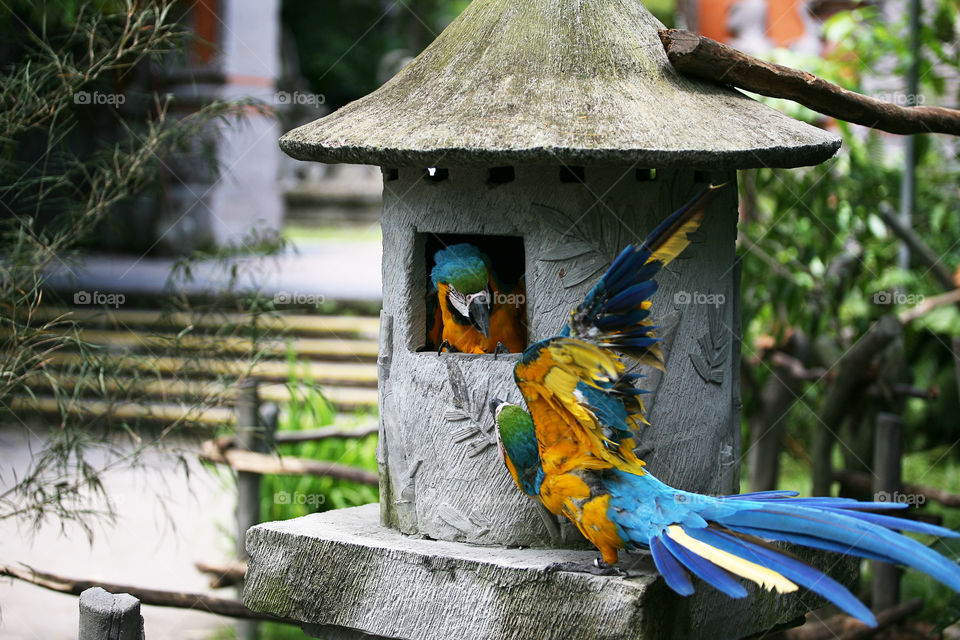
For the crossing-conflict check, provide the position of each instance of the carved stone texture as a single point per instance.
(347, 577)
(440, 475)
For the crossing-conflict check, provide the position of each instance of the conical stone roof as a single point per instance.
(556, 81)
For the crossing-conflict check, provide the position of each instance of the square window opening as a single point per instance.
(572, 175)
(502, 175)
(433, 174)
(505, 285)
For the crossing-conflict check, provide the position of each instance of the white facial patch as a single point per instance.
(500, 448)
(459, 302)
(462, 302)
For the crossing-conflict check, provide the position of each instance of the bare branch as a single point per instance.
(156, 597)
(705, 58)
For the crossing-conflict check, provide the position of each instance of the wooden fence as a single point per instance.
(340, 353)
(336, 352)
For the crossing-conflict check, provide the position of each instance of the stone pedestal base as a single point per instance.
(345, 576)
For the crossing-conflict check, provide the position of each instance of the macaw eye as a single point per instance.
(483, 296)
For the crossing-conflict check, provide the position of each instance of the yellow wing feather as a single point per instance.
(676, 240)
(549, 385)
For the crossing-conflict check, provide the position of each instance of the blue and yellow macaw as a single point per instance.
(716, 538)
(469, 309)
(614, 318)
(573, 452)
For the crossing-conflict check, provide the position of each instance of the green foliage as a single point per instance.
(284, 497)
(816, 253)
(818, 258)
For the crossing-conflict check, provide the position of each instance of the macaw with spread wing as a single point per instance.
(614, 316)
(469, 309)
(573, 452)
(716, 538)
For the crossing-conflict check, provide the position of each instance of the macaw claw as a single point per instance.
(597, 568)
(501, 348)
(445, 343)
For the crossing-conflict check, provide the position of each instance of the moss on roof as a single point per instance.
(555, 81)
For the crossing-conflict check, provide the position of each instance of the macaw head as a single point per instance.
(462, 271)
(517, 444)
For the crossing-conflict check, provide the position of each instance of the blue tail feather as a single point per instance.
(792, 569)
(705, 570)
(815, 543)
(643, 508)
(845, 527)
(762, 494)
(905, 524)
(668, 566)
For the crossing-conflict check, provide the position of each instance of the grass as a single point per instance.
(364, 233)
(285, 497)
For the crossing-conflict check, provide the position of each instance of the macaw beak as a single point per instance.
(493, 404)
(480, 316)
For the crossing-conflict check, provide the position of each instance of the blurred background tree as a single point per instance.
(63, 173)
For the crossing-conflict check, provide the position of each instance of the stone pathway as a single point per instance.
(334, 269)
(167, 522)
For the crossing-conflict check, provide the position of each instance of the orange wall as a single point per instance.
(783, 20)
(206, 25)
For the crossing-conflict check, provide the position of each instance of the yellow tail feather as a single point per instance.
(766, 578)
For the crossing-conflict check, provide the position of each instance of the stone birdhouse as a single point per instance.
(549, 133)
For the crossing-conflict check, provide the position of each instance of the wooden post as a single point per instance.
(778, 395)
(887, 484)
(250, 436)
(956, 362)
(850, 371)
(106, 616)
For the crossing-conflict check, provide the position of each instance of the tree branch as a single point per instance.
(310, 435)
(263, 463)
(929, 304)
(226, 574)
(920, 250)
(178, 599)
(696, 55)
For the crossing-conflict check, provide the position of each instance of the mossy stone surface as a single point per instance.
(550, 82)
